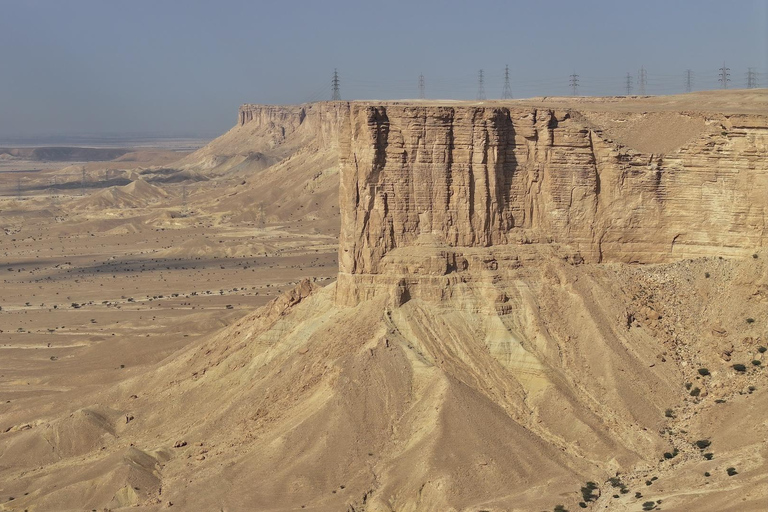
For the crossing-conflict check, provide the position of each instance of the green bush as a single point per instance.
(560, 508)
(731, 471)
(707, 474)
(669, 414)
(739, 367)
(709, 455)
(587, 491)
(703, 372)
(649, 505)
(695, 392)
(750, 320)
(702, 443)
(756, 362)
(762, 349)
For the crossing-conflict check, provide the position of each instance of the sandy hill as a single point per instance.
(531, 310)
(137, 194)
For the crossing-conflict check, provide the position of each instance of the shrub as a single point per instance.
(756, 362)
(750, 320)
(648, 482)
(695, 392)
(671, 455)
(649, 505)
(731, 471)
(707, 474)
(669, 414)
(762, 349)
(560, 508)
(586, 491)
(703, 372)
(638, 495)
(754, 255)
(739, 367)
(688, 385)
(706, 274)
(709, 455)
(702, 443)
(616, 481)
(582, 504)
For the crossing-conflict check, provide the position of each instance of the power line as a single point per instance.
(574, 83)
(688, 80)
(724, 76)
(335, 84)
(480, 86)
(421, 87)
(752, 79)
(628, 84)
(642, 81)
(507, 93)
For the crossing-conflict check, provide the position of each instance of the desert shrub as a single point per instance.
(731, 471)
(702, 443)
(739, 367)
(706, 274)
(695, 391)
(638, 495)
(582, 504)
(616, 481)
(688, 385)
(559, 508)
(762, 349)
(707, 474)
(754, 255)
(671, 455)
(649, 505)
(703, 372)
(756, 362)
(648, 482)
(750, 320)
(669, 414)
(587, 493)
(709, 455)
(624, 490)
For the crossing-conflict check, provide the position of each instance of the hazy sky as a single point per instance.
(175, 67)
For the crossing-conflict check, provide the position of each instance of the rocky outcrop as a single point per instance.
(473, 176)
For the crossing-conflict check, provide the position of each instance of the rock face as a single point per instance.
(472, 176)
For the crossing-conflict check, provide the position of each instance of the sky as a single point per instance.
(182, 68)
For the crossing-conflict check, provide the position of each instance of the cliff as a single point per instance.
(474, 176)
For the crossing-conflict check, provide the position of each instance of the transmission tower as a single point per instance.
(335, 84)
(688, 80)
(642, 81)
(752, 79)
(574, 83)
(724, 76)
(421, 87)
(628, 85)
(507, 93)
(480, 86)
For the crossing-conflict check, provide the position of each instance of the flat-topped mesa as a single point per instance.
(447, 180)
(319, 121)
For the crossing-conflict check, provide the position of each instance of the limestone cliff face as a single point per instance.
(480, 176)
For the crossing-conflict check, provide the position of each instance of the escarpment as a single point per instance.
(455, 179)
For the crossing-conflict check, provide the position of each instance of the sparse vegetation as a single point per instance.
(731, 471)
(649, 505)
(709, 455)
(756, 362)
(739, 367)
(762, 349)
(750, 320)
(702, 443)
(704, 372)
(669, 414)
(587, 491)
(695, 391)
(559, 508)
(707, 474)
